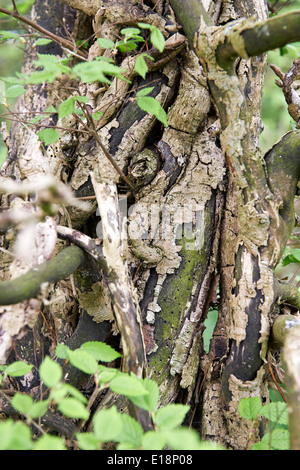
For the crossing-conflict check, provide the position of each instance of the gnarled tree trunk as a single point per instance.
(206, 211)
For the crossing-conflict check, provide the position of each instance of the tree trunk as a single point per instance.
(207, 218)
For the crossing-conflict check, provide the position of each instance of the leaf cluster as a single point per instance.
(276, 436)
(107, 424)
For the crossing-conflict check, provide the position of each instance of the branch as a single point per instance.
(29, 285)
(188, 13)
(261, 36)
(124, 299)
(61, 41)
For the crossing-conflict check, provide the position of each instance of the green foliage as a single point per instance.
(108, 425)
(276, 436)
(49, 67)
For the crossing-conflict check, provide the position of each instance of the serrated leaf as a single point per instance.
(127, 385)
(249, 408)
(157, 39)
(66, 108)
(73, 408)
(170, 416)
(277, 439)
(140, 66)
(156, 36)
(107, 424)
(106, 374)
(147, 402)
(49, 136)
(83, 361)
(96, 70)
(276, 412)
(100, 351)
(18, 368)
(50, 372)
(131, 433)
(152, 106)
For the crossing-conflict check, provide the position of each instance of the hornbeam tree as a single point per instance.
(137, 203)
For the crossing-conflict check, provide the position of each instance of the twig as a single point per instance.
(275, 381)
(63, 42)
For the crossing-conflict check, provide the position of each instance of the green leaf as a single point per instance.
(156, 37)
(170, 416)
(38, 409)
(127, 46)
(50, 372)
(292, 257)
(106, 374)
(153, 440)
(100, 351)
(15, 91)
(42, 42)
(9, 35)
(276, 412)
(144, 91)
(131, 433)
(107, 424)
(73, 408)
(49, 136)
(18, 368)
(152, 106)
(87, 441)
(96, 70)
(277, 439)
(62, 351)
(106, 43)
(130, 32)
(128, 385)
(48, 442)
(83, 361)
(249, 408)
(147, 402)
(20, 437)
(183, 439)
(140, 66)
(66, 108)
(22, 403)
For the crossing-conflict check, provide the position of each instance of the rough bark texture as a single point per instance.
(207, 209)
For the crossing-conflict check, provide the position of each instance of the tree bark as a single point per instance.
(208, 215)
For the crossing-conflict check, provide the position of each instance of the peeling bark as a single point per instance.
(204, 207)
